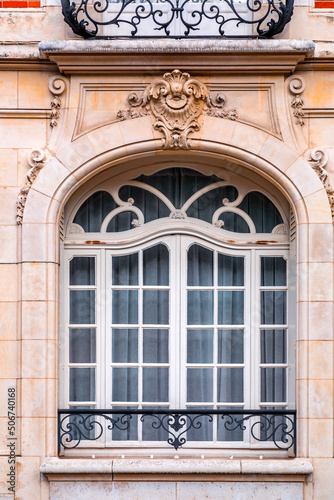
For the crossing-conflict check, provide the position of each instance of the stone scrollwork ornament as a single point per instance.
(297, 87)
(57, 86)
(318, 160)
(176, 101)
(36, 161)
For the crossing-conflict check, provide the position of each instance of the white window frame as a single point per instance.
(189, 232)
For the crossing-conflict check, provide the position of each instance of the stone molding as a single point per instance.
(31, 114)
(58, 469)
(174, 45)
(175, 102)
(215, 56)
(318, 160)
(36, 161)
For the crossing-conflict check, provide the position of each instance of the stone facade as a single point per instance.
(66, 117)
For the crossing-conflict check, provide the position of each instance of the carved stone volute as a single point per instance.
(36, 161)
(318, 160)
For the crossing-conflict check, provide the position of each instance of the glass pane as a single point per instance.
(156, 307)
(262, 211)
(230, 385)
(200, 346)
(122, 222)
(230, 307)
(125, 307)
(124, 345)
(82, 307)
(273, 346)
(125, 270)
(82, 345)
(155, 385)
(125, 384)
(151, 206)
(82, 426)
(200, 307)
(270, 423)
(206, 205)
(156, 266)
(230, 346)
(234, 222)
(273, 307)
(201, 427)
(152, 429)
(230, 270)
(227, 429)
(273, 385)
(82, 271)
(200, 266)
(155, 346)
(93, 211)
(82, 384)
(125, 428)
(273, 271)
(178, 184)
(199, 385)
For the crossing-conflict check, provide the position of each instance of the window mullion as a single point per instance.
(178, 323)
(103, 348)
(215, 343)
(140, 340)
(253, 335)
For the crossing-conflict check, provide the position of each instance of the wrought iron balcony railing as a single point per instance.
(176, 427)
(177, 18)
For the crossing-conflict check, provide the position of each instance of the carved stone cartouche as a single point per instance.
(176, 101)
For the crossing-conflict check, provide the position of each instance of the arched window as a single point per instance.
(176, 297)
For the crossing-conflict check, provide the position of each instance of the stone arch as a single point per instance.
(112, 146)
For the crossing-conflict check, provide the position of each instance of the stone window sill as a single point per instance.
(57, 469)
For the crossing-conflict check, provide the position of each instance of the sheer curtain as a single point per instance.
(139, 318)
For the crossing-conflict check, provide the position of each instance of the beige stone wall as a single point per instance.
(88, 139)
(46, 23)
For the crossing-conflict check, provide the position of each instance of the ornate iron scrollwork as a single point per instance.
(175, 19)
(178, 426)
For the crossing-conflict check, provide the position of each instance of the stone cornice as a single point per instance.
(23, 56)
(164, 45)
(210, 56)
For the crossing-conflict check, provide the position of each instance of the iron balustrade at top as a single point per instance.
(176, 427)
(177, 18)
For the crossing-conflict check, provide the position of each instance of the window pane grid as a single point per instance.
(82, 329)
(216, 369)
(146, 371)
(273, 332)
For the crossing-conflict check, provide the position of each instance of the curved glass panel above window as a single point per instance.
(93, 211)
(179, 194)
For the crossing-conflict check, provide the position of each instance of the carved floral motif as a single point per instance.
(178, 215)
(36, 161)
(318, 160)
(176, 101)
(297, 87)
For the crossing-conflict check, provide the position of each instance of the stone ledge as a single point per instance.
(177, 46)
(210, 56)
(76, 466)
(58, 469)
